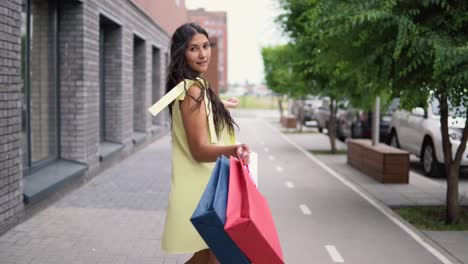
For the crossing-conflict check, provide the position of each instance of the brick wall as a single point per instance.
(81, 134)
(74, 124)
(78, 51)
(139, 85)
(11, 188)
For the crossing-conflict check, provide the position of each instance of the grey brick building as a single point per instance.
(76, 78)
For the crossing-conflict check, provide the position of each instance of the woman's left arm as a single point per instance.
(196, 129)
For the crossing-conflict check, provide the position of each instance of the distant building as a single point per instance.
(216, 25)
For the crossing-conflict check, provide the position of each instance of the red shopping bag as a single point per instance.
(248, 218)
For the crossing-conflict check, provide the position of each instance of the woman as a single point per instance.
(202, 130)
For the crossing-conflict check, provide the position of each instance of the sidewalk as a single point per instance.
(421, 190)
(115, 218)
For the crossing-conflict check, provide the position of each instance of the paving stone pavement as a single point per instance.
(115, 218)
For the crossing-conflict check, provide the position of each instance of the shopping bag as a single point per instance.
(248, 218)
(253, 167)
(210, 215)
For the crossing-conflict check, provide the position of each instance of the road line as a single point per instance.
(289, 184)
(279, 169)
(378, 205)
(271, 157)
(266, 149)
(305, 210)
(334, 254)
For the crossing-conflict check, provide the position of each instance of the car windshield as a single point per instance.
(393, 106)
(452, 110)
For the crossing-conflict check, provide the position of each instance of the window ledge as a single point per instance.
(45, 180)
(138, 138)
(159, 130)
(108, 149)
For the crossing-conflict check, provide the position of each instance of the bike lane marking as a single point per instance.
(305, 210)
(289, 184)
(334, 254)
(381, 208)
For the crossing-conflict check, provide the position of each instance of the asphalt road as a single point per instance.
(318, 217)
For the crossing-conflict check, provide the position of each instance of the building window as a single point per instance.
(110, 77)
(40, 115)
(139, 84)
(156, 83)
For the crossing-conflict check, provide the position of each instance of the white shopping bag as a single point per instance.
(253, 167)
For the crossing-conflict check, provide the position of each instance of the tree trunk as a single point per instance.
(280, 105)
(332, 126)
(453, 203)
(452, 170)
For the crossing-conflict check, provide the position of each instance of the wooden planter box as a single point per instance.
(288, 121)
(382, 162)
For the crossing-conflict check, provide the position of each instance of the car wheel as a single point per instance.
(393, 141)
(429, 161)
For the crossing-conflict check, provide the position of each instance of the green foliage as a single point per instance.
(320, 63)
(415, 48)
(279, 71)
(328, 152)
(254, 102)
(432, 218)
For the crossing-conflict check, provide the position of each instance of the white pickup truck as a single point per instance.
(419, 133)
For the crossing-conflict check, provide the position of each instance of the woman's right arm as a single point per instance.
(196, 129)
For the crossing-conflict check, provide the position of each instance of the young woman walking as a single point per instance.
(202, 130)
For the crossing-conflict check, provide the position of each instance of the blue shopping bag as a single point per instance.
(210, 215)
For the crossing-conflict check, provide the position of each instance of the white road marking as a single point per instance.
(305, 210)
(334, 254)
(377, 204)
(262, 142)
(271, 157)
(279, 169)
(266, 149)
(289, 184)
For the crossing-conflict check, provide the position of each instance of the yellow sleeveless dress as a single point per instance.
(189, 179)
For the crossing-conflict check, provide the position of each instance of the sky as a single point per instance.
(250, 27)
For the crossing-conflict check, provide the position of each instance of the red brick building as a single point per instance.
(170, 14)
(216, 25)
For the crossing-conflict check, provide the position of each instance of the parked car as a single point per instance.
(357, 123)
(346, 123)
(310, 106)
(419, 133)
(322, 114)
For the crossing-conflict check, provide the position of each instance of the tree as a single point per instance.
(417, 49)
(324, 77)
(279, 75)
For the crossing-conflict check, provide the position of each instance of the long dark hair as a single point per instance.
(179, 70)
